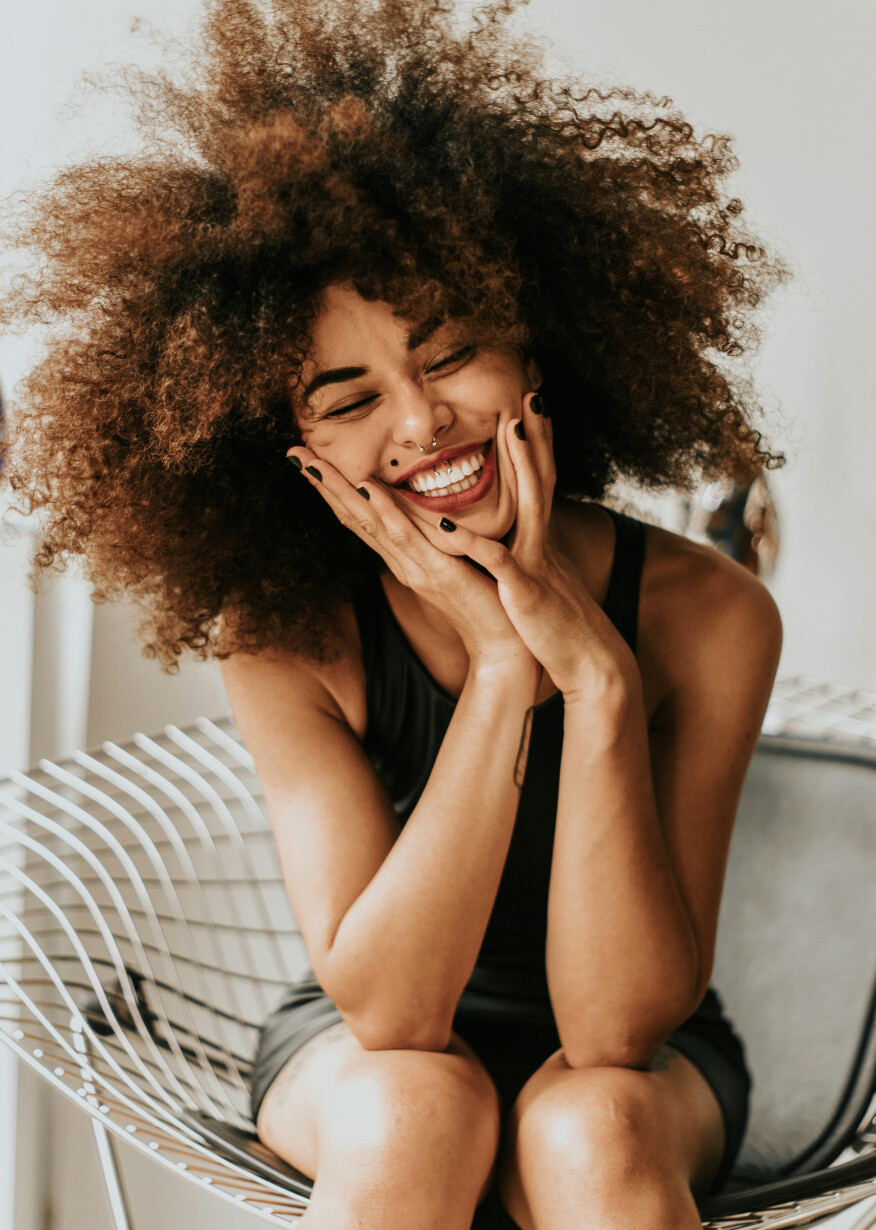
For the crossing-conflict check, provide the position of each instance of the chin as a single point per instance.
(505, 527)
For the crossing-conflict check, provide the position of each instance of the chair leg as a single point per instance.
(106, 1149)
(112, 1179)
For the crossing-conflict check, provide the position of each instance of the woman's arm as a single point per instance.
(393, 917)
(406, 946)
(644, 826)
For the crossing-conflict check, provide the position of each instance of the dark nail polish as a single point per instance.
(536, 405)
(313, 470)
(296, 461)
(363, 493)
(520, 431)
(446, 524)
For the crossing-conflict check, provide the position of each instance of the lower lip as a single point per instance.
(462, 499)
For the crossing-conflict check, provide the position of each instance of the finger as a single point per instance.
(493, 556)
(540, 434)
(373, 515)
(426, 528)
(527, 543)
(361, 516)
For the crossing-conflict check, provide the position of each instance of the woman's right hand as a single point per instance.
(423, 559)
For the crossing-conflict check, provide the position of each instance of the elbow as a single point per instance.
(384, 1026)
(384, 1018)
(631, 1040)
(630, 1050)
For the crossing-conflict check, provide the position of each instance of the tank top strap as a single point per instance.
(622, 599)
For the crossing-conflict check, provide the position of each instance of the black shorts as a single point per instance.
(512, 1039)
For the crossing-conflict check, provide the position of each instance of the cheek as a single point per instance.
(351, 452)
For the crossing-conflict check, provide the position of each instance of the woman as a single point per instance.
(502, 730)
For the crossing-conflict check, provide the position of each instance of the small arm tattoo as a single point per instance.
(523, 749)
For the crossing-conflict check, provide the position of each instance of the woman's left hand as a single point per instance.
(552, 610)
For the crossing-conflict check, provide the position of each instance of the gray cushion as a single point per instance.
(797, 942)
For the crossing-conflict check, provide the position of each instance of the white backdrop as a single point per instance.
(791, 79)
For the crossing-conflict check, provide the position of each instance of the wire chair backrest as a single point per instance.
(142, 909)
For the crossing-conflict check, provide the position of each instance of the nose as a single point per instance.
(420, 417)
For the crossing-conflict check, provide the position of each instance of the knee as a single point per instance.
(443, 1102)
(605, 1123)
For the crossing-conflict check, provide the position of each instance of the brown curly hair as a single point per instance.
(431, 160)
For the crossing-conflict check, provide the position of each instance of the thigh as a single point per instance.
(291, 1118)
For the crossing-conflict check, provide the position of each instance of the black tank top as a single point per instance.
(408, 716)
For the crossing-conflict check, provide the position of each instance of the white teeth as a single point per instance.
(444, 480)
(470, 481)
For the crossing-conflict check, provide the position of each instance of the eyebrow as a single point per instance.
(338, 375)
(335, 375)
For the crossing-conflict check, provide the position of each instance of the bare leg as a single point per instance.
(396, 1140)
(610, 1148)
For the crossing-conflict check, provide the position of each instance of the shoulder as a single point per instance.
(707, 626)
(268, 683)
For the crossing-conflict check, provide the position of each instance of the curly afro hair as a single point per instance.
(432, 160)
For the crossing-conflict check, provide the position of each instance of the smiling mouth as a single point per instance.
(462, 489)
(457, 476)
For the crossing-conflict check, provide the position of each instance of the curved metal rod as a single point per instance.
(150, 807)
(35, 1011)
(234, 748)
(225, 818)
(251, 807)
(178, 916)
(70, 839)
(106, 1008)
(181, 1137)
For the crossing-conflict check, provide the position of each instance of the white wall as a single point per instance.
(791, 78)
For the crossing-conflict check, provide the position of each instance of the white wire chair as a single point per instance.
(145, 934)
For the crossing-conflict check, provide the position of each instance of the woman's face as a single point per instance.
(368, 400)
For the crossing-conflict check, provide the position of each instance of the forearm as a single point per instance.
(622, 961)
(406, 947)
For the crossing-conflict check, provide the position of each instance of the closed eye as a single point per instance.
(464, 352)
(457, 358)
(334, 414)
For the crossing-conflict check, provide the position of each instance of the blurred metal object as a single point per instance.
(742, 522)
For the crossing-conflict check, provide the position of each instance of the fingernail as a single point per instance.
(446, 524)
(296, 461)
(363, 493)
(519, 430)
(536, 404)
(313, 470)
